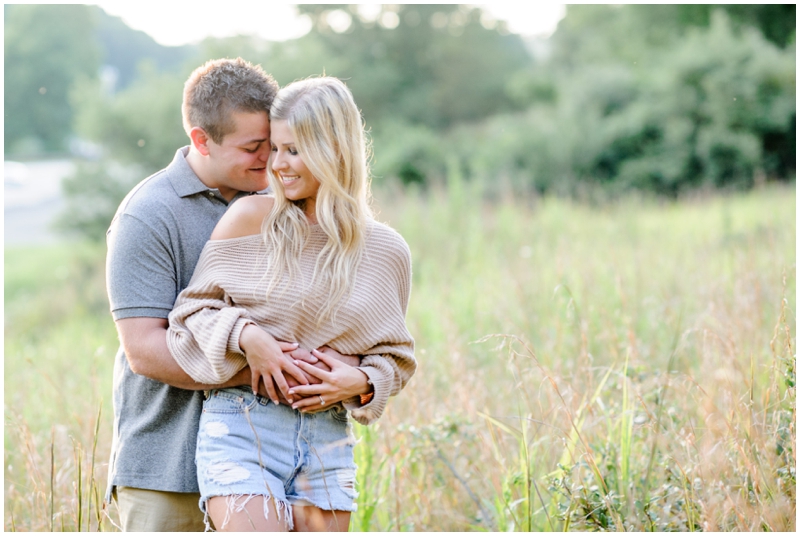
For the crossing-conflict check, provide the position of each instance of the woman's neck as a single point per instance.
(310, 210)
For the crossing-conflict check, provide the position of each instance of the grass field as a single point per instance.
(628, 366)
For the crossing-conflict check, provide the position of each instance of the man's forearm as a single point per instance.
(160, 366)
(145, 343)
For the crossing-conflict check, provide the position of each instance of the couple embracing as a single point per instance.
(253, 326)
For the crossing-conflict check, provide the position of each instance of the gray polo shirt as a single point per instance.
(154, 242)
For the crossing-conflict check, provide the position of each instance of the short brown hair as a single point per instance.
(218, 88)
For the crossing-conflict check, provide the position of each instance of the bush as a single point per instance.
(140, 125)
(410, 153)
(714, 109)
(93, 194)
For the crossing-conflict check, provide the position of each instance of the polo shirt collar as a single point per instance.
(183, 179)
(186, 182)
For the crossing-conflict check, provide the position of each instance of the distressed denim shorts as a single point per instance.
(247, 446)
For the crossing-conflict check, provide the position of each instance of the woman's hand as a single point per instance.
(338, 383)
(269, 363)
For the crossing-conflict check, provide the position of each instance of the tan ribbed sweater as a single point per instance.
(228, 291)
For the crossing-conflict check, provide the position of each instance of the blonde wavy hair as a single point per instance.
(329, 136)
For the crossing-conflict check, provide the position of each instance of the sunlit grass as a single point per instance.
(59, 350)
(623, 366)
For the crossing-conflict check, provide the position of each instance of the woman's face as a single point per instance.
(288, 165)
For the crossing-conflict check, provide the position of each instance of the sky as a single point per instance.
(279, 21)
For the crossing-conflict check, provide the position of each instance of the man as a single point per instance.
(154, 243)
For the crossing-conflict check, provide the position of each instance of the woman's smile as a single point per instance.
(287, 164)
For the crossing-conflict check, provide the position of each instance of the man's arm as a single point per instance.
(145, 343)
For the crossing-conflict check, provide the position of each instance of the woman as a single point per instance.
(308, 265)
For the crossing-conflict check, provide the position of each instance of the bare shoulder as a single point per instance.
(244, 218)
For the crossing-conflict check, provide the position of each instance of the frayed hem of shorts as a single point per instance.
(327, 506)
(237, 503)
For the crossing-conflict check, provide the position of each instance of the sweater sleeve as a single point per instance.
(388, 373)
(204, 325)
(389, 364)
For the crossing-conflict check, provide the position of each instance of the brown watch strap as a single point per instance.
(365, 399)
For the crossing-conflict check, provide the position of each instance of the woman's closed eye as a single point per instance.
(291, 150)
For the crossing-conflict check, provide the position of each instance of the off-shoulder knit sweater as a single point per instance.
(228, 291)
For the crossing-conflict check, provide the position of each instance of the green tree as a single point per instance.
(124, 49)
(433, 65)
(139, 128)
(414, 70)
(47, 48)
(92, 195)
(140, 125)
(702, 107)
(777, 22)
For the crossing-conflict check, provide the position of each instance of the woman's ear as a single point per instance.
(200, 140)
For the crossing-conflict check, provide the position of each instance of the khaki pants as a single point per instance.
(144, 510)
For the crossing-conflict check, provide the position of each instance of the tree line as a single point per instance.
(659, 98)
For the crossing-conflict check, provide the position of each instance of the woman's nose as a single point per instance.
(277, 162)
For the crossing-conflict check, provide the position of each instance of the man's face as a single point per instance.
(239, 163)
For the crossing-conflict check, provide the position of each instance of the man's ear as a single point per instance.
(200, 140)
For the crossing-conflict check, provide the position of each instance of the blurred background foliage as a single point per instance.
(664, 99)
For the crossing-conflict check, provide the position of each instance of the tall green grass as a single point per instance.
(59, 350)
(626, 366)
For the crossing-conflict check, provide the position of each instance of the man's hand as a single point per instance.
(352, 360)
(307, 357)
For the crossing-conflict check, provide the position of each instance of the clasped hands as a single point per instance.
(308, 381)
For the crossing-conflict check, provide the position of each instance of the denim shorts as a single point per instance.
(247, 447)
